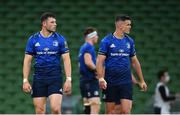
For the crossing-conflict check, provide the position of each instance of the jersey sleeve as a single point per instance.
(103, 48)
(132, 50)
(30, 46)
(63, 45)
(88, 50)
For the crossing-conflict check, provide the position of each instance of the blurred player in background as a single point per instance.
(89, 85)
(162, 96)
(117, 51)
(47, 47)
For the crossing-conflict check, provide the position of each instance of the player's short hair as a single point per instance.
(160, 74)
(47, 15)
(89, 30)
(122, 17)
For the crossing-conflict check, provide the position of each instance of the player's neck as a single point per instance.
(45, 34)
(118, 34)
(90, 42)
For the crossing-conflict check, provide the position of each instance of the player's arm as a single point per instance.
(100, 70)
(67, 64)
(27, 66)
(89, 62)
(136, 65)
(99, 65)
(26, 72)
(134, 79)
(67, 69)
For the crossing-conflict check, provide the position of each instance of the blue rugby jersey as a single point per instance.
(86, 73)
(47, 53)
(118, 53)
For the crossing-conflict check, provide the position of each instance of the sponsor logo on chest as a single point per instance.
(55, 43)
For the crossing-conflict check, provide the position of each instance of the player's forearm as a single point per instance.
(100, 69)
(138, 70)
(134, 79)
(67, 68)
(67, 65)
(91, 66)
(89, 62)
(26, 69)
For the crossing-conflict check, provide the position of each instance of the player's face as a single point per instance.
(166, 77)
(95, 39)
(126, 26)
(50, 24)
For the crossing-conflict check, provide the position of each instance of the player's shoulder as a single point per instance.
(129, 38)
(87, 46)
(107, 38)
(59, 36)
(34, 36)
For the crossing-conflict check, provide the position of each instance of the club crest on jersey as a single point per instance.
(112, 46)
(55, 43)
(128, 45)
(37, 44)
(121, 50)
(46, 49)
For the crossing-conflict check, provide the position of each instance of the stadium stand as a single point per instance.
(155, 31)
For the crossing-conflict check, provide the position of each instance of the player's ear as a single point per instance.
(44, 23)
(117, 24)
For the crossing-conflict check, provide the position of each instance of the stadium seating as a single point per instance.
(155, 30)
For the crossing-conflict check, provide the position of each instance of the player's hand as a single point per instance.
(102, 83)
(27, 87)
(67, 87)
(143, 86)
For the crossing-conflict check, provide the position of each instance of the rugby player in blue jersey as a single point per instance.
(117, 52)
(47, 47)
(89, 85)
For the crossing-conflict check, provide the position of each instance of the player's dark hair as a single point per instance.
(47, 15)
(122, 18)
(89, 30)
(161, 73)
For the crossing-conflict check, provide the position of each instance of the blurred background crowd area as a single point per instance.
(155, 30)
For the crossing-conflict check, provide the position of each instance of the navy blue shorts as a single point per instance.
(89, 89)
(116, 93)
(46, 87)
